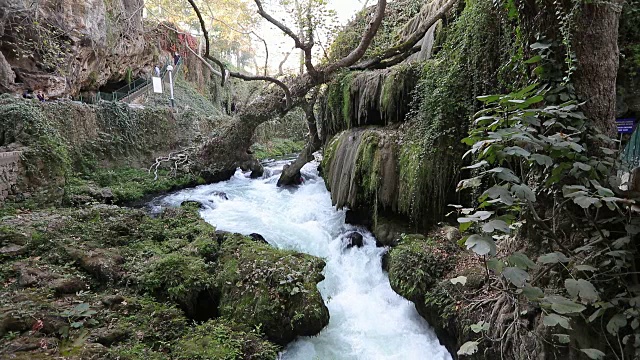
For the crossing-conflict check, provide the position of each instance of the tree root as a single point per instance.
(176, 159)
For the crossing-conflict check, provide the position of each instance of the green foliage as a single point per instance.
(216, 339)
(534, 158)
(128, 184)
(397, 14)
(629, 38)
(276, 148)
(466, 66)
(24, 123)
(178, 277)
(270, 288)
(416, 265)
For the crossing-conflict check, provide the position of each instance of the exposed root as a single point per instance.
(176, 159)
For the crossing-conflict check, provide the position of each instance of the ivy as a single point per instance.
(548, 171)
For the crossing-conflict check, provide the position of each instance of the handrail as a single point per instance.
(135, 86)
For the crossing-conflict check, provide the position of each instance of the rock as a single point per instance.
(221, 194)
(7, 76)
(52, 324)
(103, 264)
(279, 289)
(353, 239)
(30, 276)
(258, 238)
(451, 233)
(193, 203)
(112, 300)
(68, 285)
(108, 337)
(12, 321)
(98, 49)
(12, 250)
(221, 235)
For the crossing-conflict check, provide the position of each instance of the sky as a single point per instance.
(280, 44)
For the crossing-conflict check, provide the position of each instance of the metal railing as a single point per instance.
(131, 88)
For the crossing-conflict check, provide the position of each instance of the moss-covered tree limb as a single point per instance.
(408, 44)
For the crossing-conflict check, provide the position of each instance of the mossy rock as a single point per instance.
(217, 339)
(271, 289)
(416, 265)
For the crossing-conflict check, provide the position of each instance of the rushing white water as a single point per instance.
(369, 321)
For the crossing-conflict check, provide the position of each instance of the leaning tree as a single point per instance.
(218, 157)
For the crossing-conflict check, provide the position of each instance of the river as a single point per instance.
(369, 321)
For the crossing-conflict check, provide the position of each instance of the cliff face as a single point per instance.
(64, 46)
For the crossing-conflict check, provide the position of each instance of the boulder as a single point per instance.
(352, 239)
(258, 238)
(103, 264)
(69, 285)
(274, 289)
(112, 300)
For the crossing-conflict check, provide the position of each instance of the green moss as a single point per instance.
(368, 164)
(271, 289)
(416, 265)
(216, 339)
(397, 91)
(178, 277)
(128, 184)
(277, 148)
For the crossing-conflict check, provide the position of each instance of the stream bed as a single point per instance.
(368, 320)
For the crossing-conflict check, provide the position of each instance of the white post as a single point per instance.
(170, 70)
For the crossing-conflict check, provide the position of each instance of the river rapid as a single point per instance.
(369, 321)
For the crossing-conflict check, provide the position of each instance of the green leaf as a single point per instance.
(500, 192)
(470, 183)
(567, 190)
(553, 258)
(459, 280)
(540, 46)
(494, 225)
(496, 265)
(532, 293)
(489, 98)
(468, 348)
(481, 245)
(617, 322)
(555, 319)
(563, 338)
(517, 277)
(582, 166)
(593, 354)
(533, 60)
(563, 306)
(479, 327)
(521, 261)
(517, 150)
(76, 324)
(523, 192)
(504, 174)
(586, 201)
(585, 268)
(582, 288)
(542, 159)
(622, 242)
(477, 165)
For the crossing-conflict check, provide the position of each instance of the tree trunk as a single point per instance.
(596, 48)
(291, 173)
(217, 158)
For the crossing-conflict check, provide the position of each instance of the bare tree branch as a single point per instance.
(286, 57)
(365, 41)
(238, 75)
(306, 47)
(409, 43)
